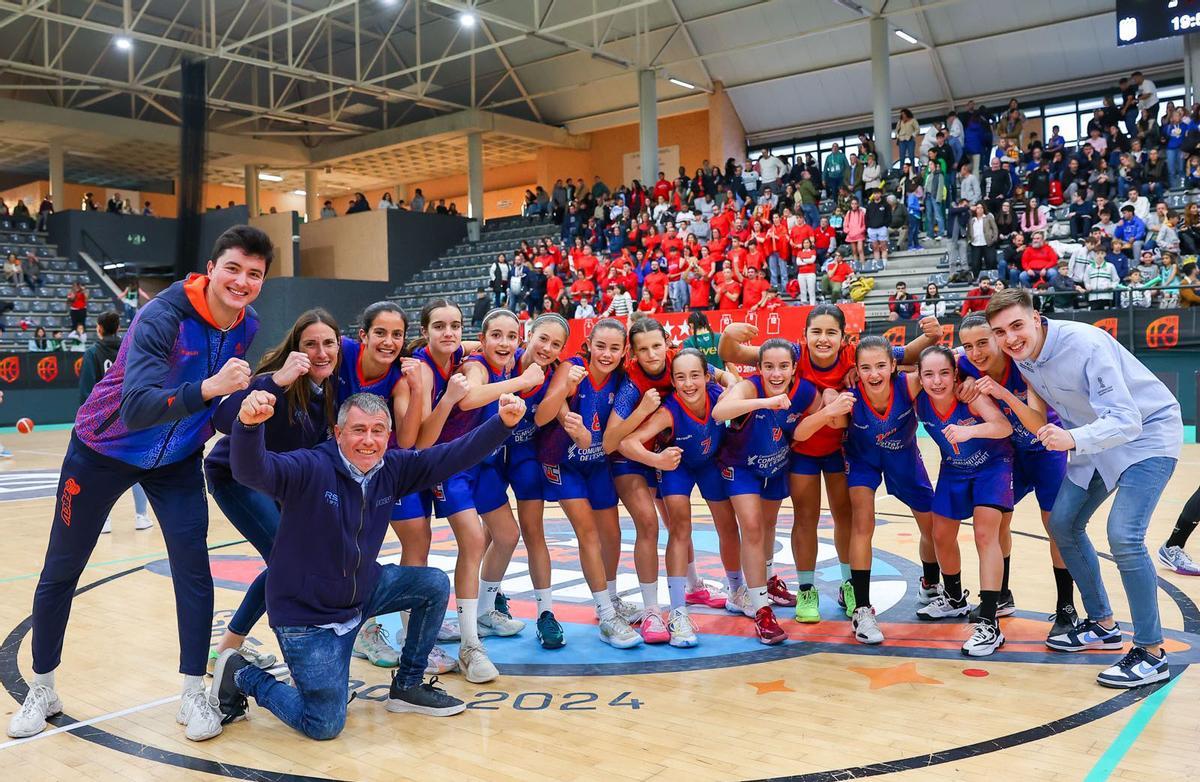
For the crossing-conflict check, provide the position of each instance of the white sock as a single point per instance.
(758, 596)
(44, 679)
(770, 567)
(487, 595)
(192, 683)
(612, 590)
(677, 586)
(545, 600)
(650, 595)
(604, 605)
(734, 579)
(694, 582)
(468, 617)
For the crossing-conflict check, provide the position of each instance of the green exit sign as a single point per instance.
(136, 239)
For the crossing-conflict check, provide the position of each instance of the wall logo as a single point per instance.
(1163, 333)
(10, 369)
(1127, 28)
(47, 368)
(28, 484)
(1107, 324)
(896, 336)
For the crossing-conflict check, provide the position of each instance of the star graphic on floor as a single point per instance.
(776, 686)
(905, 673)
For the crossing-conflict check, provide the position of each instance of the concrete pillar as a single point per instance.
(57, 176)
(251, 185)
(401, 191)
(312, 199)
(648, 126)
(475, 175)
(881, 91)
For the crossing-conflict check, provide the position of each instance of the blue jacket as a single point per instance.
(322, 566)
(147, 410)
(1131, 230)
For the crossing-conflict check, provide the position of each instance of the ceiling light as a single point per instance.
(123, 42)
(466, 19)
(906, 37)
(682, 83)
(265, 177)
(300, 192)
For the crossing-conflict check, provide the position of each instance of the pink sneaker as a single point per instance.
(705, 597)
(654, 629)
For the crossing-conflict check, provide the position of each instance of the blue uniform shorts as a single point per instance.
(683, 479)
(958, 492)
(1041, 472)
(455, 494)
(803, 464)
(902, 472)
(413, 506)
(743, 480)
(571, 481)
(526, 479)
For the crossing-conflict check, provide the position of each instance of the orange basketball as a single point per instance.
(25, 425)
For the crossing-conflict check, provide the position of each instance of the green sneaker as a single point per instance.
(848, 599)
(550, 632)
(808, 605)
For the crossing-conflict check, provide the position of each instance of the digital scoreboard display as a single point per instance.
(1147, 20)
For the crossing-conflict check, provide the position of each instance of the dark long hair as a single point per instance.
(299, 393)
(427, 315)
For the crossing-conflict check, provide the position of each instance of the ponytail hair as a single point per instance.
(604, 323)
(696, 354)
(937, 350)
(778, 343)
(873, 342)
(646, 325)
(832, 310)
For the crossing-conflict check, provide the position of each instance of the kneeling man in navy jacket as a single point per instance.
(323, 580)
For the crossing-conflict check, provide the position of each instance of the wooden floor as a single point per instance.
(820, 707)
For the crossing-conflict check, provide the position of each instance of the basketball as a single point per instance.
(25, 425)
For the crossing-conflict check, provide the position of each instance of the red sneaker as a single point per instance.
(767, 627)
(778, 592)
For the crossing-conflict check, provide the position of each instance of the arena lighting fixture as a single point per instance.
(300, 192)
(906, 37)
(681, 83)
(466, 19)
(265, 177)
(123, 42)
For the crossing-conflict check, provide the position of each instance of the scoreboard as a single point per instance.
(1147, 20)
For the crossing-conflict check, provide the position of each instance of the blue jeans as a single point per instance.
(956, 146)
(319, 658)
(778, 269)
(1028, 279)
(256, 516)
(914, 230)
(812, 215)
(1174, 166)
(935, 214)
(1138, 490)
(908, 149)
(1010, 274)
(832, 185)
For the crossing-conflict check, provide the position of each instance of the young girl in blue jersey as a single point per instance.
(548, 334)
(881, 447)
(578, 477)
(1035, 469)
(767, 411)
(687, 461)
(975, 481)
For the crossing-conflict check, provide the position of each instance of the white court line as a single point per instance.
(85, 723)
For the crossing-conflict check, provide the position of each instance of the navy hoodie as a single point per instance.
(322, 567)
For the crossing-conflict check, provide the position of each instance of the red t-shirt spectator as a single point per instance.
(723, 222)
(580, 287)
(629, 281)
(753, 288)
(742, 235)
(840, 270)
(701, 292)
(799, 234)
(754, 258)
(823, 237)
(554, 286)
(662, 189)
(737, 259)
(806, 262)
(656, 283)
(1036, 259)
(649, 306)
(586, 263)
(977, 299)
(781, 243)
(729, 294)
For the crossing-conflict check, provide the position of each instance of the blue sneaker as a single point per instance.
(1175, 558)
(1137, 668)
(550, 632)
(1088, 635)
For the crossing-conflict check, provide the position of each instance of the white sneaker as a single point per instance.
(866, 627)
(627, 611)
(439, 662)
(739, 602)
(107, 528)
(985, 639)
(198, 711)
(925, 595)
(142, 521)
(943, 607)
(41, 703)
(496, 623)
(617, 633)
(683, 631)
(264, 660)
(477, 668)
(371, 645)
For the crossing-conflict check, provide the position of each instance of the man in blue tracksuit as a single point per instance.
(322, 577)
(1123, 430)
(146, 421)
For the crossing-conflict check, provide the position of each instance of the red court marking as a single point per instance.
(977, 673)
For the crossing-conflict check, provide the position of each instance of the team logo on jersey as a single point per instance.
(595, 422)
(439, 493)
(552, 474)
(332, 498)
(727, 473)
(47, 368)
(70, 489)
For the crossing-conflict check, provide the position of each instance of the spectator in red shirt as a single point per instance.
(656, 282)
(779, 254)
(837, 271)
(729, 291)
(824, 238)
(770, 301)
(740, 230)
(1040, 263)
(662, 188)
(717, 246)
(736, 257)
(672, 243)
(722, 222)
(701, 291)
(554, 286)
(755, 256)
(977, 298)
(581, 287)
(647, 304)
(902, 305)
(753, 287)
(585, 263)
(628, 278)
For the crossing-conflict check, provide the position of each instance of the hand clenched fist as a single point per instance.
(257, 407)
(234, 376)
(511, 408)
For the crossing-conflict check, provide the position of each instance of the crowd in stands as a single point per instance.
(359, 203)
(978, 183)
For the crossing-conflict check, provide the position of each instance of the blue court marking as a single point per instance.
(1124, 741)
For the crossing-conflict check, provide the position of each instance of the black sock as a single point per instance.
(953, 585)
(1065, 588)
(1187, 521)
(987, 604)
(932, 573)
(861, 580)
(1004, 581)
